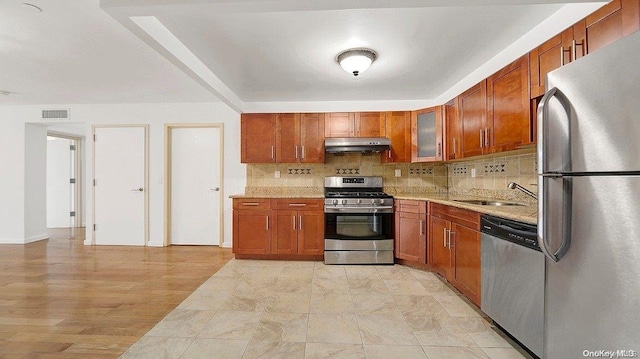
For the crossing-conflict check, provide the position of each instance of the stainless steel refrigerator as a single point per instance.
(589, 206)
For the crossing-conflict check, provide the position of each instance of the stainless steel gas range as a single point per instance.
(358, 221)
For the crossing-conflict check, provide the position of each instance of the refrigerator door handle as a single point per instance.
(543, 223)
(543, 119)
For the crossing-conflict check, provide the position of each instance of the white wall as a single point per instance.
(35, 183)
(12, 174)
(13, 118)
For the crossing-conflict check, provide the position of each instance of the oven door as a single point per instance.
(358, 226)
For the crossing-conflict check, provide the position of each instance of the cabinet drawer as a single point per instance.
(411, 206)
(461, 216)
(298, 204)
(251, 203)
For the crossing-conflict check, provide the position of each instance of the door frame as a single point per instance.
(146, 176)
(77, 174)
(167, 175)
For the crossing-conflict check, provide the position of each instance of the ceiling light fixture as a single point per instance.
(356, 61)
(32, 7)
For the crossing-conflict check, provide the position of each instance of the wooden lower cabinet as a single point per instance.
(278, 228)
(454, 248)
(411, 231)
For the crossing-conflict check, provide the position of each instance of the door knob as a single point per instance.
(217, 189)
(137, 189)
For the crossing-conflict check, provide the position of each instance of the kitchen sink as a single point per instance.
(488, 203)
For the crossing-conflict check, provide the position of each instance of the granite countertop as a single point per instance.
(527, 213)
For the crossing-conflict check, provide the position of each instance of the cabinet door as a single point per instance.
(466, 249)
(426, 135)
(251, 231)
(339, 124)
(288, 138)
(312, 137)
(369, 124)
(439, 257)
(509, 119)
(472, 112)
(410, 237)
(547, 57)
(611, 22)
(311, 232)
(398, 130)
(452, 131)
(285, 229)
(258, 138)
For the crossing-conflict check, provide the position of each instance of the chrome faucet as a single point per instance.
(514, 185)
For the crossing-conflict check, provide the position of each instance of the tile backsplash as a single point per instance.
(478, 176)
(490, 176)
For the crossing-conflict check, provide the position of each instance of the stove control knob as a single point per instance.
(359, 201)
(373, 201)
(344, 201)
(335, 202)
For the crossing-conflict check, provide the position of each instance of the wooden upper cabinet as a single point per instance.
(426, 135)
(472, 114)
(312, 138)
(300, 138)
(287, 137)
(452, 131)
(258, 138)
(358, 124)
(369, 124)
(611, 22)
(509, 118)
(549, 56)
(338, 124)
(398, 130)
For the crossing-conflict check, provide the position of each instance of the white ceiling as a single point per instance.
(263, 52)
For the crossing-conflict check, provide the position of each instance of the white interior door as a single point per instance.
(120, 180)
(195, 185)
(59, 172)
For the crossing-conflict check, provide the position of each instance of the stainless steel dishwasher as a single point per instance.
(513, 268)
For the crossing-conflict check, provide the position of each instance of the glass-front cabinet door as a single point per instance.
(426, 135)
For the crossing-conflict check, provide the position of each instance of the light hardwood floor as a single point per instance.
(62, 299)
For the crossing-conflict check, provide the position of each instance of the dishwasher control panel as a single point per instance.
(520, 233)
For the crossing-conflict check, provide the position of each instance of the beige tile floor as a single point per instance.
(282, 309)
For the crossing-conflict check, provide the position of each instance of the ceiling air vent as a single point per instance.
(55, 114)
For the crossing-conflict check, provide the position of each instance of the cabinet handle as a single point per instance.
(421, 224)
(267, 217)
(389, 154)
(444, 238)
(486, 137)
(297, 204)
(299, 223)
(296, 151)
(454, 146)
(562, 51)
(251, 204)
(273, 152)
(450, 234)
(573, 47)
(303, 152)
(439, 149)
(481, 139)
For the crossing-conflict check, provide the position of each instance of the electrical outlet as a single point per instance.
(473, 173)
(276, 174)
(398, 173)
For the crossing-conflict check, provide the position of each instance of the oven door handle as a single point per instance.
(380, 209)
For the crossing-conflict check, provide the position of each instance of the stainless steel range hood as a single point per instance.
(361, 145)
